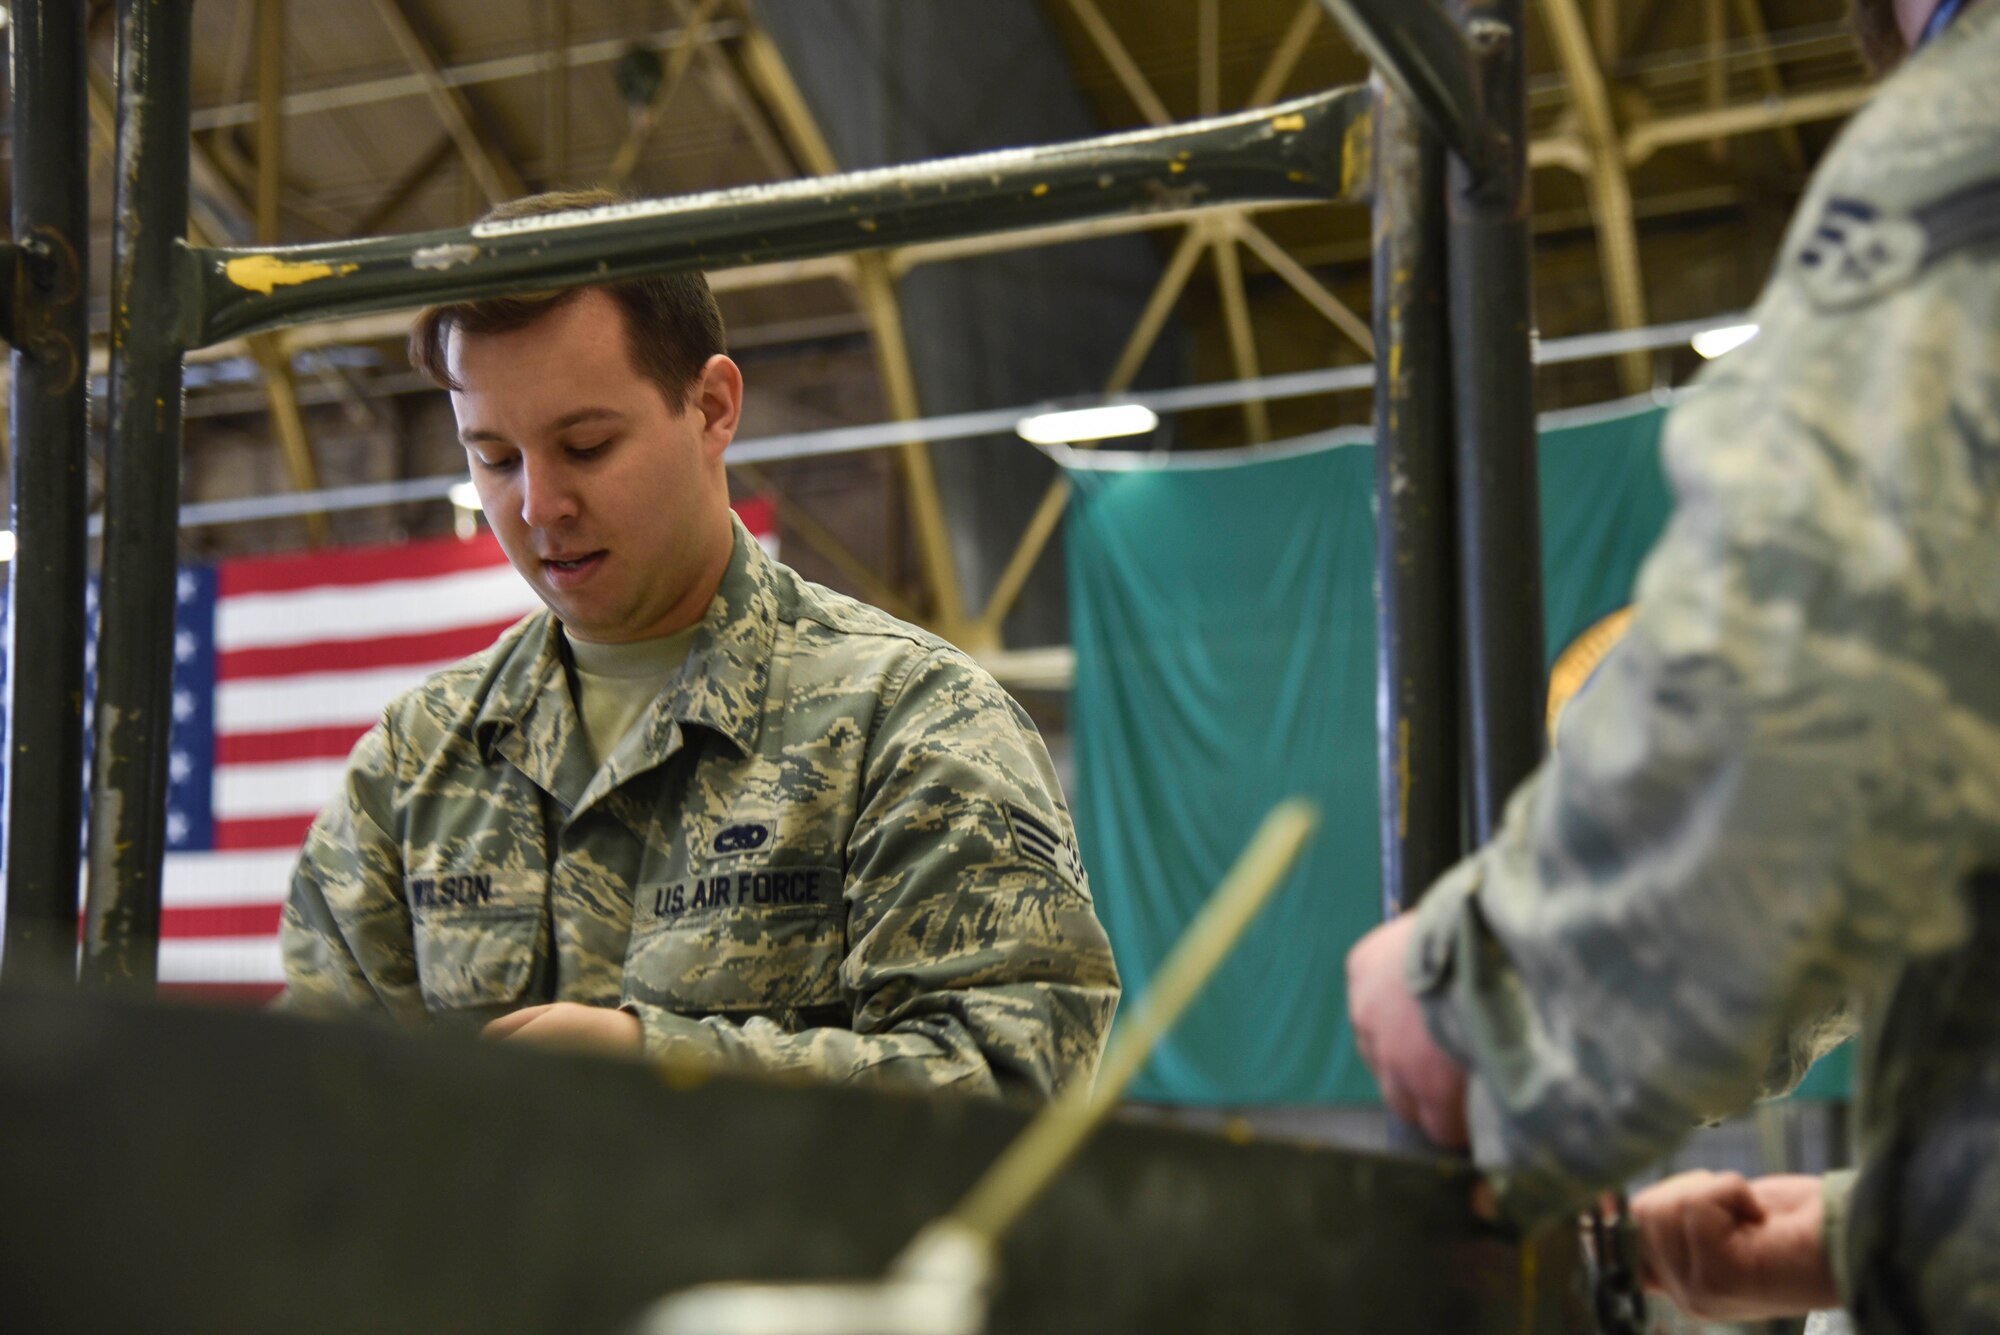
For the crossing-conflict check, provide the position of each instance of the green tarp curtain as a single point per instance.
(1225, 658)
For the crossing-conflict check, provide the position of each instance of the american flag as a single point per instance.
(280, 665)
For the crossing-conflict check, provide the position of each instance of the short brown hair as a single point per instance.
(672, 324)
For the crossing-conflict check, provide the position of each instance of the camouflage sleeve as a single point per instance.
(1762, 804)
(345, 934)
(975, 958)
(1836, 1196)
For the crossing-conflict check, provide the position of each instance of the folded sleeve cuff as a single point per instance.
(1445, 940)
(674, 1040)
(1429, 967)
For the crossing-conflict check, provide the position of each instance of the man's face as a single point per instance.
(611, 504)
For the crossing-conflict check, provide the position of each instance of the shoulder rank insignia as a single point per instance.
(1857, 253)
(1037, 842)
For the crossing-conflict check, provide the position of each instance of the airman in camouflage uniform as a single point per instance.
(1777, 806)
(833, 845)
(830, 843)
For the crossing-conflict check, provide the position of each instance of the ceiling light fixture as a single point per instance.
(1074, 425)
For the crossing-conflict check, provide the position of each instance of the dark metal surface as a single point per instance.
(49, 328)
(1420, 51)
(1291, 151)
(1493, 382)
(142, 497)
(1416, 615)
(182, 1171)
(11, 257)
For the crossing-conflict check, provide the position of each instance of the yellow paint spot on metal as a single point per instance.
(1530, 1262)
(1357, 157)
(1295, 177)
(1041, 189)
(1292, 122)
(1402, 778)
(868, 224)
(1176, 167)
(1238, 1131)
(265, 273)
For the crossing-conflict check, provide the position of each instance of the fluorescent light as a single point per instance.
(464, 495)
(1712, 343)
(6, 544)
(1077, 424)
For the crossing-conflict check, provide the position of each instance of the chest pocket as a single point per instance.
(745, 939)
(478, 938)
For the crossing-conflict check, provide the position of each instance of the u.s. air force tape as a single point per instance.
(766, 888)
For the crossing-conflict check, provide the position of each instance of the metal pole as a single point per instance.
(44, 812)
(1416, 609)
(1291, 151)
(1421, 53)
(152, 282)
(1500, 547)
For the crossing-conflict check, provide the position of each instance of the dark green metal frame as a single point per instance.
(1416, 637)
(1493, 379)
(1291, 151)
(314, 1176)
(47, 323)
(135, 661)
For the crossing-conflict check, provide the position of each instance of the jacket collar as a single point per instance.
(723, 684)
(528, 717)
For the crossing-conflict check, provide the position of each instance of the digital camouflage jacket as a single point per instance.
(1778, 803)
(832, 845)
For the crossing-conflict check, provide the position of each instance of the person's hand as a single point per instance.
(1726, 1249)
(1420, 1082)
(576, 1028)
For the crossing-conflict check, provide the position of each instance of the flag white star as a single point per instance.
(177, 827)
(184, 587)
(180, 768)
(183, 646)
(183, 706)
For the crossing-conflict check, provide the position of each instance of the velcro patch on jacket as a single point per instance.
(433, 890)
(1036, 841)
(769, 888)
(740, 838)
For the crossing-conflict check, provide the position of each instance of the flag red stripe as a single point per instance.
(357, 565)
(262, 832)
(253, 748)
(758, 513)
(223, 919)
(290, 660)
(222, 994)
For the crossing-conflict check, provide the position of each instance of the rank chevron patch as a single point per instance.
(1035, 840)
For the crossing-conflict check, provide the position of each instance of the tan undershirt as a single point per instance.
(616, 682)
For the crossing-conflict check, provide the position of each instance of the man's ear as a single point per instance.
(718, 395)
